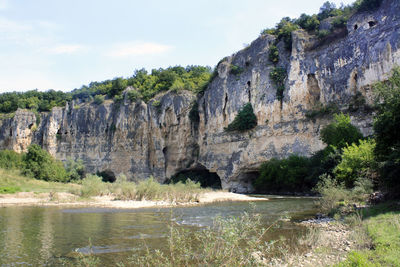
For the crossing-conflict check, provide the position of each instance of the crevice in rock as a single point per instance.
(224, 108)
(165, 153)
(355, 27)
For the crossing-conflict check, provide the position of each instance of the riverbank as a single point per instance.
(109, 201)
(369, 237)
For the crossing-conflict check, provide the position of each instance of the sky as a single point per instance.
(64, 44)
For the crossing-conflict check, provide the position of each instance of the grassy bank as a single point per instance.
(379, 229)
(12, 181)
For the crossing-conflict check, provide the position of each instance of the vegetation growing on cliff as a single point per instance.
(146, 86)
(278, 76)
(244, 120)
(298, 173)
(311, 23)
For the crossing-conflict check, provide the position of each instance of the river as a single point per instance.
(46, 236)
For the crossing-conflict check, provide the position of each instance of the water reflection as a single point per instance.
(39, 236)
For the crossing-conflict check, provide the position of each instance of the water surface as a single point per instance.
(44, 236)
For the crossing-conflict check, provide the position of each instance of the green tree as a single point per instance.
(10, 159)
(386, 127)
(287, 174)
(41, 165)
(75, 169)
(340, 132)
(244, 120)
(357, 162)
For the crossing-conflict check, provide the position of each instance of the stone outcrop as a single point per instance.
(140, 139)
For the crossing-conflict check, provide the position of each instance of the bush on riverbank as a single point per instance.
(236, 241)
(148, 189)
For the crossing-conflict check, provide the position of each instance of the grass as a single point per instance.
(382, 226)
(12, 180)
(235, 241)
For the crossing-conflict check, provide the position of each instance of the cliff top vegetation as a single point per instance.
(193, 78)
(145, 86)
(338, 17)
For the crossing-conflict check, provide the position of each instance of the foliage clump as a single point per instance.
(236, 70)
(147, 85)
(338, 17)
(244, 120)
(357, 162)
(340, 132)
(286, 174)
(386, 127)
(41, 165)
(278, 76)
(10, 159)
(273, 54)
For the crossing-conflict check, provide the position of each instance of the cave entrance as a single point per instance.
(107, 176)
(202, 176)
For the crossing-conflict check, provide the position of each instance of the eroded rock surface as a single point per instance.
(140, 139)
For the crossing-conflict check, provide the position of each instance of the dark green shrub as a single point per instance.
(278, 76)
(323, 34)
(75, 169)
(339, 22)
(308, 23)
(289, 174)
(98, 99)
(366, 5)
(341, 132)
(41, 165)
(386, 127)
(322, 110)
(133, 95)
(10, 159)
(244, 120)
(284, 31)
(273, 54)
(236, 70)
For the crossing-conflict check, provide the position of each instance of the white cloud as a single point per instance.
(137, 49)
(66, 49)
(9, 26)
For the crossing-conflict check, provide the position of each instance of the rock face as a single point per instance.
(140, 139)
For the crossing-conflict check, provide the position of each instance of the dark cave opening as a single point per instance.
(107, 176)
(203, 176)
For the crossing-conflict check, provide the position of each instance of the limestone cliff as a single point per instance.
(141, 139)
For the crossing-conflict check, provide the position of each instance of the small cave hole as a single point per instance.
(30, 126)
(247, 63)
(107, 176)
(201, 175)
(10, 132)
(249, 84)
(355, 27)
(371, 23)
